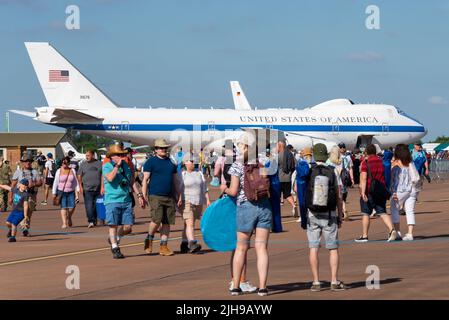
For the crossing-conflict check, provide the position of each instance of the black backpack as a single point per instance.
(53, 168)
(322, 174)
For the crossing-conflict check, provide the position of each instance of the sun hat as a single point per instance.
(247, 139)
(161, 143)
(115, 149)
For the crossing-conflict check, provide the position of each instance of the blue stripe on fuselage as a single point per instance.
(222, 127)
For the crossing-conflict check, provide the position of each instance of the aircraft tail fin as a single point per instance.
(63, 84)
(240, 101)
(66, 147)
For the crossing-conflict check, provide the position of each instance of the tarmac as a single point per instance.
(35, 267)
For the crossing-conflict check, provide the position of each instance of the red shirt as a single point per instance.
(376, 167)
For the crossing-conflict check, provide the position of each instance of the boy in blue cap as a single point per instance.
(20, 207)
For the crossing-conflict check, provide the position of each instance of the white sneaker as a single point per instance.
(408, 237)
(246, 287)
(299, 220)
(90, 225)
(392, 236)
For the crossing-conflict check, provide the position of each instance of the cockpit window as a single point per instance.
(402, 113)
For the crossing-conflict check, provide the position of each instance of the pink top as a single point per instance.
(60, 180)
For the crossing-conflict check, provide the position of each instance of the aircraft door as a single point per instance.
(335, 128)
(211, 126)
(363, 141)
(385, 129)
(124, 128)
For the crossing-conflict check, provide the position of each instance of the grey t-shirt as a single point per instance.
(90, 173)
(31, 175)
(18, 198)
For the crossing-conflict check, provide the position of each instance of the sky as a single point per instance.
(179, 53)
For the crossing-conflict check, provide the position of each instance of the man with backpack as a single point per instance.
(49, 176)
(286, 168)
(373, 193)
(324, 218)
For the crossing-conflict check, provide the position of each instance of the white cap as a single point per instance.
(247, 138)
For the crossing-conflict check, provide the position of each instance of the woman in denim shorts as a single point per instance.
(67, 188)
(251, 217)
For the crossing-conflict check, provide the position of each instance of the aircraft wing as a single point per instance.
(58, 115)
(240, 101)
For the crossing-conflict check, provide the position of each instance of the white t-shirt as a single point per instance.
(49, 165)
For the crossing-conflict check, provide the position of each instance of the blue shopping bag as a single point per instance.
(101, 209)
(219, 226)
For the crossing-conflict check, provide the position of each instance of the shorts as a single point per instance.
(162, 209)
(367, 207)
(119, 214)
(67, 199)
(318, 225)
(15, 217)
(252, 215)
(286, 189)
(49, 182)
(191, 211)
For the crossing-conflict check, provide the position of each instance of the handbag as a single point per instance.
(377, 190)
(57, 199)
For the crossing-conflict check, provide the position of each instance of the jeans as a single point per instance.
(90, 200)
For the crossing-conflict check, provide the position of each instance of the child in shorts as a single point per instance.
(19, 211)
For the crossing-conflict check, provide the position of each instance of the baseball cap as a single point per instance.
(24, 182)
(320, 152)
(50, 155)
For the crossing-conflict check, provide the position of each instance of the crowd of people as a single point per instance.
(315, 182)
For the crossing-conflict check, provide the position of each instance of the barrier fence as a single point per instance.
(439, 170)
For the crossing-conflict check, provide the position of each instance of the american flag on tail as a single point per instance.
(58, 76)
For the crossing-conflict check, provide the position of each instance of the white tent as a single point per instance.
(430, 147)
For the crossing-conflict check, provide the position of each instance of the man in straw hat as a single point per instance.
(118, 182)
(159, 187)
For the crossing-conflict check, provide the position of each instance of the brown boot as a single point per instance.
(148, 245)
(165, 251)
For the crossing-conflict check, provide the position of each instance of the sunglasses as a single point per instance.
(161, 148)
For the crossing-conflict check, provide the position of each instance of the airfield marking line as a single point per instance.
(75, 253)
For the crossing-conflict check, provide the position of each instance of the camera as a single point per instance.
(123, 183)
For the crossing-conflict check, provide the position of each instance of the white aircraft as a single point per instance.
(75, 102)
(66, 147)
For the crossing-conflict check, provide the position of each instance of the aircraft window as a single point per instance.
(402, 113)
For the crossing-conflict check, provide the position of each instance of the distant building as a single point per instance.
(14, 144)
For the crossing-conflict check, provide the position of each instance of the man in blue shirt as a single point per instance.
(420, 161)
(159, 189)
(118, 182)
